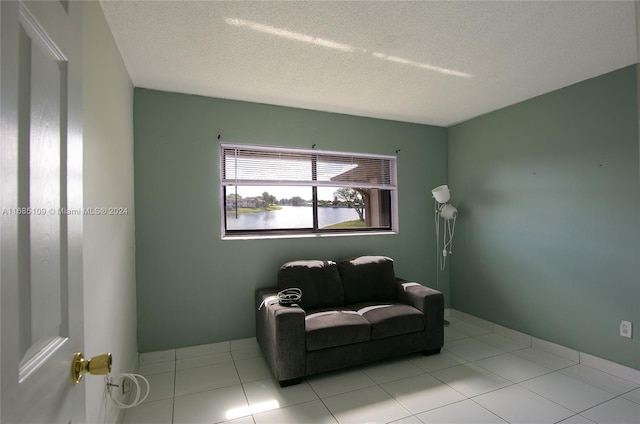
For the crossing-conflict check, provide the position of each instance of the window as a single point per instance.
(271, 190)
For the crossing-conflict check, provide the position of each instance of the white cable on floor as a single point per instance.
(134, 378)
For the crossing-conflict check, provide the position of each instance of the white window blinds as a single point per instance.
(270, 166)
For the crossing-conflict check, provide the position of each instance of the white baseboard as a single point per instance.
(478, 322)
(556, 349)
(609, 367)
(604, 365)
(519, 337)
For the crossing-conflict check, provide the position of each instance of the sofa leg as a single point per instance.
(293, 381)
(431, 352)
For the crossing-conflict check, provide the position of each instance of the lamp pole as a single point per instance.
(442, 209)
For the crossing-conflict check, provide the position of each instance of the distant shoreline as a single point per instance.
(254, 210)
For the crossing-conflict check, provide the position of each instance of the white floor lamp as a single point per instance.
(448, 213)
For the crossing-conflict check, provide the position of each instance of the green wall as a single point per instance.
(547, 240)
(193, 287)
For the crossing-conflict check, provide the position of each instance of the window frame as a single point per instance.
(389, 185)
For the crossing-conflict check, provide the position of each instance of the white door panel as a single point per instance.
(41, 243)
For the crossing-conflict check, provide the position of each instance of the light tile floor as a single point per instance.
(480, 377)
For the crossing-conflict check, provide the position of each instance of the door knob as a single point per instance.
(98, 365)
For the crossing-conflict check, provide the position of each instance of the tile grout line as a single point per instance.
(411, 414)
(175, 378)
(627, 392)
(599, 404)
(320, 399)
(517, 384)
(487, 409)
(244, 391)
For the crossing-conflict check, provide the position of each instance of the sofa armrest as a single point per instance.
(431, 303)
(280, 332)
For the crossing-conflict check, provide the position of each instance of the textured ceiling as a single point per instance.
(427, 62)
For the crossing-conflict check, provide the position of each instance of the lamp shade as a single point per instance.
(448, 212)
(441, 193)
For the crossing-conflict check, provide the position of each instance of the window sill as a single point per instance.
(310, 235)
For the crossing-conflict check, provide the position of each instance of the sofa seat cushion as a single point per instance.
(390, 318)
(335, 327)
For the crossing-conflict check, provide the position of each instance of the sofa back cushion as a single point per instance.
(367, 278)
(318, 280)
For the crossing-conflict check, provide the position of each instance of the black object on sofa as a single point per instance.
(351, 312)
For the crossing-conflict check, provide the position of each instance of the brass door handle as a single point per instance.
(98, 365)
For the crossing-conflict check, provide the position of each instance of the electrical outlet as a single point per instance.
(626, 329)
(126, 386)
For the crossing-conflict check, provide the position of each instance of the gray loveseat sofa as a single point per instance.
(351, 312)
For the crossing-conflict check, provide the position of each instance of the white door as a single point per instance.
(40, 206)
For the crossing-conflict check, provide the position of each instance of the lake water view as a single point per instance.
(289, 217)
